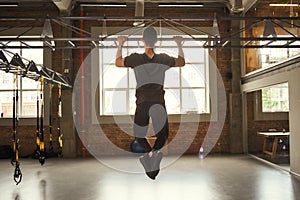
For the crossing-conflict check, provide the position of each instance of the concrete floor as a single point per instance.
(238, 177)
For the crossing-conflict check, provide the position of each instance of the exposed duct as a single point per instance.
(236, 6)
(139, 12)
(139, 8)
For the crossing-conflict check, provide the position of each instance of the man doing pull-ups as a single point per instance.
(149, 69)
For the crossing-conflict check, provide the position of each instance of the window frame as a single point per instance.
(190, 117)
(259, 115)
(257, 62)
(277, 86)
(47, 61)
(180, 85)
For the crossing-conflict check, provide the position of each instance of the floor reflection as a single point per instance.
(16, 196)
(43, 189)
(189, 178)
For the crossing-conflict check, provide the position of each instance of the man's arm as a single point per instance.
(119, 59)
(179, 61)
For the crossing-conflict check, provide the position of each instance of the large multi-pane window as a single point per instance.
(186, 88)
(275, 98)
(28, 88)
(271, 56)
(263, 58)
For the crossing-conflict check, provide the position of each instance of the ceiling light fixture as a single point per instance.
(284, 4)
(269, 29)
(180, 5)
(47, 32)
(103, 4)
(9, 4)
(71, 43)
(215, 28)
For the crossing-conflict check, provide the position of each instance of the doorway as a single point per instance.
(268, 124)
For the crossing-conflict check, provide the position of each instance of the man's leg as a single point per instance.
(141, 123)
(159, 118)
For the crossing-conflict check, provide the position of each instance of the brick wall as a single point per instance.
(112, 131)
(27, 139)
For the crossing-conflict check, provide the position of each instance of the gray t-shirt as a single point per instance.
(150, 75)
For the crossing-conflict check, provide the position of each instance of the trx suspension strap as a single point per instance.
(60, 135)
(42, 143)
(36, 153)
(15, 158)
(50, 153)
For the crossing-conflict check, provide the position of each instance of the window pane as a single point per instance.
(294, 51)
(33, 54)
(132, 80)
(114, 77)
(172, 78)
(108, 43)
(170, 51)
(275, 98)
(191, 43)
(163, 43)
(115, 102)
(193, 100)
(108, 59)
(8, 53)
(194, 55)
(6, 81)
(136, 43)
(270, 56)
(193, 76)
(6, 104)
(29, 103)
(172, 98)
(30, 84)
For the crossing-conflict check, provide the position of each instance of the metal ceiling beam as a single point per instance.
(222, 42)
(107, 18)
(152, 1)
(113, 47)
(98, 39)
(98, 43)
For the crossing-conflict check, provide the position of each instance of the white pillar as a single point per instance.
(294, 116)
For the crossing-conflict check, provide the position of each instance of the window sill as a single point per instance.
(271, 116)
(127, 119)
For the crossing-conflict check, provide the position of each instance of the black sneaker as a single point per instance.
(146, 162)
(157, 157)
(155, 162)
